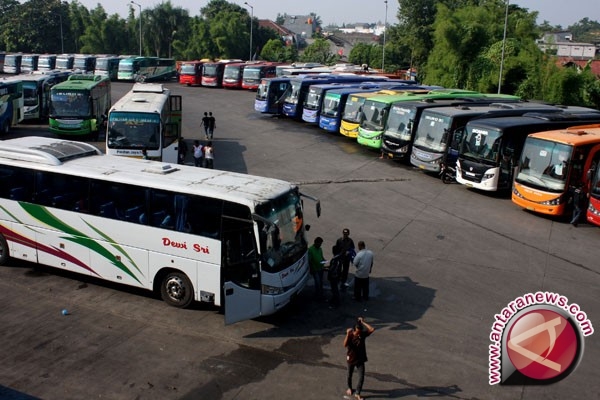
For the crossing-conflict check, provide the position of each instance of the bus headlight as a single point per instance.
(594, 210)
(403, 149)
(378, 137)
(553, 202)
(488, 176)
(271, 290)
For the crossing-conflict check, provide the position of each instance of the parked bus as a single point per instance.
(190, 72)
(36, 92)
(491, 148)
(299, 86)
(591, 177)
(232, 75)
(313, 102)
(148, 117)
(185, 233)
(65, 62)
(146, 69)
(2, 56)
(376, 111)
(433, 144)
(270, 95)
(79, 105)
(12, 63)
(108, 66)
(253, 73)
(212, 73)
(11, 104)
(47, 62)
(551, 163)
(334, 104)
(84, 63)
(29, 63)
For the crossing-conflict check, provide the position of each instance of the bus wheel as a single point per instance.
(177, 290)
(4, 256)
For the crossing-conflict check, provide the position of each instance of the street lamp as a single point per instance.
(384, 29)
(140, 6)
(503, 46)
(62, 38)
(251, 20)
(171, 42)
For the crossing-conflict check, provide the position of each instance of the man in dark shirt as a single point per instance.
(345, 245)
(356, 354)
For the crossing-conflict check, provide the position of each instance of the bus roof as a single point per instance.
(576, 135)
(80, 81)
(144, 98)
(85, 160)
(440, 94)
(536, 118)
(477, 108)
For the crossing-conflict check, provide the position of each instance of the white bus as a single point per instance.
(148, 117)
(191, 234)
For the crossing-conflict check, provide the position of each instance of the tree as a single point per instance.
(319, 51)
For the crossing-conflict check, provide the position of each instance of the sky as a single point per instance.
(337, 12)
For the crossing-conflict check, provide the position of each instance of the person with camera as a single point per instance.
(356, 354)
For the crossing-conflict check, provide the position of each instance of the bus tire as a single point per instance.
(176, 289)
(4, 254)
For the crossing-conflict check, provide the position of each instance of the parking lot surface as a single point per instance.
(447, 259)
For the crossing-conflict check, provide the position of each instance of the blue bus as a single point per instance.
(299, 87)
(270, 95)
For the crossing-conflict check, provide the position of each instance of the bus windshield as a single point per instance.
(252, 73)
(209, 70)
(331, 105)
(400, 122)
(188, 69)
(312, 98)
(134, 130)
(70, 104)
(231, 72)
(292, 97)
(283, 242)
(481, 144)
(595, 187)
(544, 164)
(353, 110)
(30, 93)
(432, 132)
(374, 115)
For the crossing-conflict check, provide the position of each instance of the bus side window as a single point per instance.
(21, 184)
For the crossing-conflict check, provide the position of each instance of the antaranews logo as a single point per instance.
(537, 339)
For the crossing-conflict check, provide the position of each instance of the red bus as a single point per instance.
(253, 74)
(232, 76)
(212, 72)
(190, 72)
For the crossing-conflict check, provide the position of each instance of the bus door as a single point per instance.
(241, 272)
(172, 131)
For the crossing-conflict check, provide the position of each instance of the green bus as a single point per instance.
(377, 109)
(79, 105)
(146, 69)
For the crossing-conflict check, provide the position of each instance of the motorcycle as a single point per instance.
(447, 173)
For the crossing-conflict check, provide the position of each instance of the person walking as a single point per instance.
(145, 153)
(212, 125)
(356, 354)
(363, 261)
(315, 262)
(206, 124)
(345, 245)
(198, 151)
(209, 156)
(333, 276)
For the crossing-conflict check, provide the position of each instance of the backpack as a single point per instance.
(335, 269)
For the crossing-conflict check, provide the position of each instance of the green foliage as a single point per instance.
(275, 50)
(320, 51)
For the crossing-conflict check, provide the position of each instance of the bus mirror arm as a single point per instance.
(318, 205)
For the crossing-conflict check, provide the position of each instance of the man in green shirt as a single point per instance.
(315, 262)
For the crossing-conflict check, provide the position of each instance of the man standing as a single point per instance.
(363, 261)
(346, 247)
(356, 354)
(315, 262)
(206, 124)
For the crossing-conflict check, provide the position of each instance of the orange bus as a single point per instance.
(254, 73)
(552, 163)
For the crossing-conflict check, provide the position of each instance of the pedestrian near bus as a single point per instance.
(356, 355)
(212, 125)
(209, 156)
(315, 263)
(345, 245)
(363, 261)
(205, 124)
(198, 150)
(182, 150)
(333, 276)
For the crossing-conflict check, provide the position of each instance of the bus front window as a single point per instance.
(374, 116)
(70, 105)
(292, 97)
(400, 122)
(133, 130)
(30, 94)
(544, 164)
(481, 144)
(431, 133)
(282, 242)
(330, 106)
